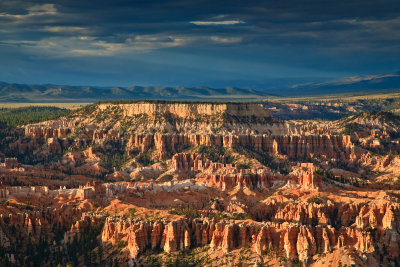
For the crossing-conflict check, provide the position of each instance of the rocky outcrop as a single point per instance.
(305, 174)
(297, 241)
(190, 111)
(252, 179)
(46, 132)
(264, 197)
(195, 162)
(307, 213)
(35, 224)
(293, 146)
(176, 236)
(172, 127)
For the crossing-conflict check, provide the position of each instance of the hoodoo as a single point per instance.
(203, 183)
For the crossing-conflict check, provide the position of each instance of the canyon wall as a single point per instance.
(293, 240)
(189, 111)
(294, 146)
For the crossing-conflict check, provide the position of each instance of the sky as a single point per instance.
(196, 42)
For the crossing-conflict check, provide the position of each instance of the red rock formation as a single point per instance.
(37, 223)
(306, 244)
(306, 213)
(189, 161)
(391, 219)
(298, 242)
(286, 220)
(138, 238)
(306, 176)
(45, 132)
(176, 236)
(259, 179)
(293, 146)
(223, 237)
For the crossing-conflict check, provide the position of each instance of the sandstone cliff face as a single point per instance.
(292, 146)
(305, 174)
(46, 132)
(270, 199)
(36, 224)
(296, 241)
(190, 111)
(259, 179)
(361, 216)
(307, 213)
(240, 125)
(228, 176)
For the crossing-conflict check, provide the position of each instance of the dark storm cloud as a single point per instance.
(310, 36)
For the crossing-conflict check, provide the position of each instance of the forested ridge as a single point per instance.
(12, 117)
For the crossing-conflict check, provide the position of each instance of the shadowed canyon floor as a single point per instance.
(157, 183)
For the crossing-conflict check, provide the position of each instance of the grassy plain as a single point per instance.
(71, 106)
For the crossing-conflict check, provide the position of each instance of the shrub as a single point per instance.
(315, 199)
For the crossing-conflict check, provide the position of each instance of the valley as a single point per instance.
(175, 183)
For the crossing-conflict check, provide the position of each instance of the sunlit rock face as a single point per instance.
(201, 182)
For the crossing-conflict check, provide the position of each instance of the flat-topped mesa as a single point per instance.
(172, 126)
(194, 111)
(99, 120)
(112, 120)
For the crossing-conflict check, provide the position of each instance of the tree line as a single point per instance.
(12, 117)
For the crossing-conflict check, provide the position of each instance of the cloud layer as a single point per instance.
(273, 38)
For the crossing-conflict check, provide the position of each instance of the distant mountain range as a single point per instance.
(64, 93)
(348, 85)
(317, 85)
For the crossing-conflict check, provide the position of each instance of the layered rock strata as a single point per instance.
(293, 240)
